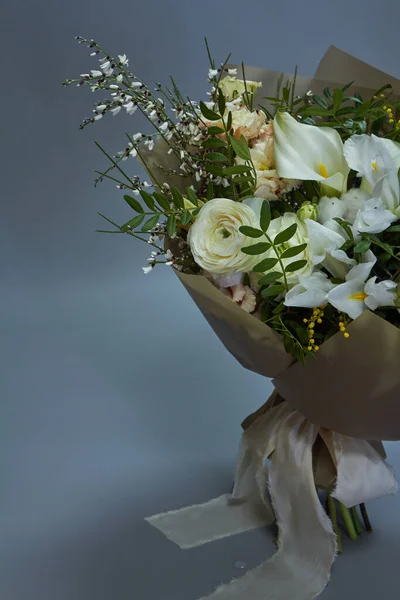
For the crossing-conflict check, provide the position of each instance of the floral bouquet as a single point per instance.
(277, 204)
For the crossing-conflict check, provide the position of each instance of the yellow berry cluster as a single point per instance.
(316, 317)
(342, 325)
(389, 112)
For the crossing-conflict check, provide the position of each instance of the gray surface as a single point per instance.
(117, 400)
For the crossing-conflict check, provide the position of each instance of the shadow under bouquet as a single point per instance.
(277, 203)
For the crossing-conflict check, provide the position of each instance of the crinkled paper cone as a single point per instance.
(353, 385)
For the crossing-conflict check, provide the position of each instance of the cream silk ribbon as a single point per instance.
(307, 545)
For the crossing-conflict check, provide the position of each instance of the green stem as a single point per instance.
(356, 520)
(279, 260)
(348, 521)
(333, 516)
(365, 517)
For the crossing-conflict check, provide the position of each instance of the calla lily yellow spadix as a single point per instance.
(309, 153)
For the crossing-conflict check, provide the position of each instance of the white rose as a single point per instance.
(354, 200)
(215, 239)
(300, 237)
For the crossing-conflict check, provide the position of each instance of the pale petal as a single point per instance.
(380, 294)
(307, 152)
(374, 218)
(361, 271)
(322, 241)
(341, 298)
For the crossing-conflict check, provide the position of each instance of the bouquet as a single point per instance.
(276, 201)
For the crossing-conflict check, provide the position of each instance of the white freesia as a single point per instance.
(310, 292)
(359, 293)
(374, 218)
(330, 208)
(216, 242)
(324, 245)
(376, 160)
(354, 200)
(309, 153)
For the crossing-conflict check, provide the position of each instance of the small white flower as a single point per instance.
(137, 136)
(114, 87)
(147, 270)
(84, 75)
(123, 59)
(101, 107)
(232, 71)
(96, 73)
(135, 192)
(149, 143)
(116, 110)
(93, 53)
(170, 151)
(98, 117)
(146, 184)
(135, 84)
(212, 73)
(169, 255)
(164, 127)
(119, 78)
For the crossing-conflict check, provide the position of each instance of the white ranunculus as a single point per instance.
(215, 239)
(300, 237)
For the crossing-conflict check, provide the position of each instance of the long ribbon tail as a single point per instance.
(245, 509)
(307, 544)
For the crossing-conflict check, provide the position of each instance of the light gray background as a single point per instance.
(117, 401)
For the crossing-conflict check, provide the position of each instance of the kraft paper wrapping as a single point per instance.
(353, 385)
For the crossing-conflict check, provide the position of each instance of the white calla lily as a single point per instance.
(359, 293)
(309, 153)
(310, 292)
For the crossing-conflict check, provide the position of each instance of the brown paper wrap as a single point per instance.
(353, 385)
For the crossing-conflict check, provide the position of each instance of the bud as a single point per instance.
(232, 87)
(308, 210)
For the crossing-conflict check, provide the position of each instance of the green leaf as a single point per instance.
(171, 224)
(273, 290)
(337, 280)
(250, 231)
(148, 199)
(213, 130)
(289, 344)
(299, 330)
(346, 87)
(133, 203)
(337, 98)
(216, 157)
(319, 100)
(345, 110)
(229, 121)
(133, 223)
(265, 265)
(191, 195)
(295, 266)
(257, 248)
(362, 246)
(186, 217)
(316, 111)
(285, 235)
(221, 103)
(152, 222)
(353, 99)
(240, 147)
(394, 228)
(208, 113)
(162, 200)
(270, 278)
(265, 215)
(214, 143)
(293, 251)
(346, 226)
(347, 245)
(281, 307)
(236, 170)
(214, 169)
(328, 93)
(243, 179)
(178, 198)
